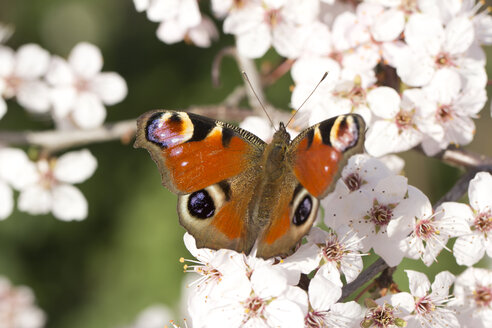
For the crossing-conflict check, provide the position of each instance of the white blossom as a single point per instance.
(20, 77)
(51, 190)
(473, 298)
(80, 89)
(469, 249)
(17, 308)
(427, 308)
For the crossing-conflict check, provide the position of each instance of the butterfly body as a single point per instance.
(235, 190)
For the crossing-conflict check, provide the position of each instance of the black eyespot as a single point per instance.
(201, 205)
(302, 211)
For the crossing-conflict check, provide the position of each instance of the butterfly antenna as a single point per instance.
(258, 98)
(316, 87)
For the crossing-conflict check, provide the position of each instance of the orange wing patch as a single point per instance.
(196, 165)
(279, 228)
(316, 163)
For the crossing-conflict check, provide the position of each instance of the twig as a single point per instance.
(56, 140)
(378, 266)
(460, 157)
(248, 65)
(228, 51)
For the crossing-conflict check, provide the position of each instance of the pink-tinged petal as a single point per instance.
(424, 33)
(6, 200)
(248, 18)
(35, 200)
(59, 72)
(444, 86)
(255, 43)
(69, 204)
(35, 96)
(7, 61)
(307, 70)
(3, 107)
(469, 249)
(110, 87)
(31, 61)
(160, 10)
(403, 300)
(75, 166)
(384, 102)
(170, 32)
(204, 33)
(189, 13)
(388, 26)
(459, 35)
(86, 60)
(88, 111)
(480, 192)
(442, 283)
(418, 283)
(323, 293)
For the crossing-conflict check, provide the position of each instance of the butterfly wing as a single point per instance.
(212, 166)
(315, 159)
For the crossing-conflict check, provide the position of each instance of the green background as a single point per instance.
(124, 257)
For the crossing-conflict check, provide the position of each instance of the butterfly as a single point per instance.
(235, 190)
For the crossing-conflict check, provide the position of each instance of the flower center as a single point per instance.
(404, 119)
(443, 59)
(424, 306)
(444, 113)
(425, 229)
(315, 319)
(12, 84)
(333, 250)
(273, 17)
(353, 181)
(482, 296)
(483, 222)
(81, 85)
(381, 316)
(380, 215)
(254, 307)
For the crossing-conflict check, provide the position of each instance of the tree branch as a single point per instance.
(56, 140)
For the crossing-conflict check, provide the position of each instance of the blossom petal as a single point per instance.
(69, 203)
(480, 191)
(469, 249)
(388, 26)
(75, 166)
(3, 107)
(459, 35)
(86, 60)
(6, 200)
(255, 43)
(7, 61)
(31, 61)
(35, 200)
(442, 283)
(323, 293)
(384, 102)
(425, 33)
(59, 72)
(88, 111)
(110, 87)
(16, 168)
(34, 96)
(418, 283)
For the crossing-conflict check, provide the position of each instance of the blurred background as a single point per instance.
(123, 258)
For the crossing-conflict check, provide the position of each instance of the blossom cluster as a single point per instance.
(17, 307)
(245, 291)
(72, 91)
(415, 70)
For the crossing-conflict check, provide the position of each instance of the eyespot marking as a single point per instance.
(201, 205)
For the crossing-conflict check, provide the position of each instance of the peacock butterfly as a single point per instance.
(235, 190)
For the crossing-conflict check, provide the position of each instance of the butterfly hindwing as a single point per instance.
(314, 159)
(211, 165)
(320, 152)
